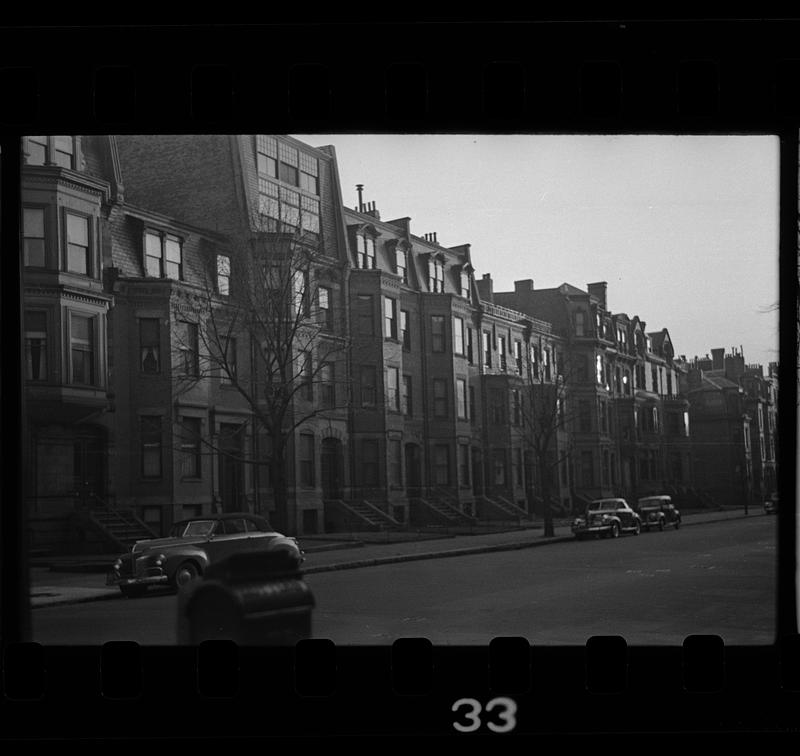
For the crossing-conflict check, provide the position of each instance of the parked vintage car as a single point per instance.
(191, 547)
(771, 504)
(658, 512)
(608, 518)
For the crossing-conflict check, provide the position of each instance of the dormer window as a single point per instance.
(50, 150)
(223, 275)
(401, 264)
(580, 323)
(465, 287)
(366, 252)
(436, 274)
(163, 255)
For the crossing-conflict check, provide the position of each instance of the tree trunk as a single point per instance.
(280, 488)
(547, 513)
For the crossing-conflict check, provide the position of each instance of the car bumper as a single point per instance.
(591, 529)
(155, 578)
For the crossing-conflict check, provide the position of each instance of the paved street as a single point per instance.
(656, 588)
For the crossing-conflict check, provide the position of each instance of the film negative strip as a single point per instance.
(399, 669)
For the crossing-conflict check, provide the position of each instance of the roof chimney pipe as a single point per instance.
(360, 189)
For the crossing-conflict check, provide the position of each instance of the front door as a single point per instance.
(231, 468)
(89, 471)
(413, 470)
(477, 472)
(331, 468)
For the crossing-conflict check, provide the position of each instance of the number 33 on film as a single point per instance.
(498, 715)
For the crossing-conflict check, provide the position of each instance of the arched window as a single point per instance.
(366, 252)
(436, 274)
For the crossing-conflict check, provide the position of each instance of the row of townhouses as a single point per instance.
(207, 327)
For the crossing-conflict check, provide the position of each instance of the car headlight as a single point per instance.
(118, 563)
(159, 560)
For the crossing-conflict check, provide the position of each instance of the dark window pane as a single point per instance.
(288, 174)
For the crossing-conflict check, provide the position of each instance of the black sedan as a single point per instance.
(658, 512)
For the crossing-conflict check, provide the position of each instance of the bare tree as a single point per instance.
(546, 417)
(266, 300)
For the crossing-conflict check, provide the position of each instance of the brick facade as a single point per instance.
(423, 380)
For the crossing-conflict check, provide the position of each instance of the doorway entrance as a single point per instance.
(332, 467)
(477, 472)
(413, 470)
(231, 468)
(89, 470)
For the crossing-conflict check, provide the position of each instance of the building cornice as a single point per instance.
(67, 179)
(98, 299)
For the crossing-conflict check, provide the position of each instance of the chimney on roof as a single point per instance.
(360, 190)
(734, 366)
(486, 288)
(520, 287)
(718, 358)
(598, 291)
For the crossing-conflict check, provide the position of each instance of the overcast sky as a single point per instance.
(683, 228)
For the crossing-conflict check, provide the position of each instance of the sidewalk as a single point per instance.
(75, 579)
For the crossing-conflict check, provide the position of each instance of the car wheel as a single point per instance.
(677, 524)
(133, 591)
(637, 528)
(614, 531)
(186, 572)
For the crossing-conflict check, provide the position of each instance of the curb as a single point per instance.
(79, 600)
(435, 555)
(395, 559)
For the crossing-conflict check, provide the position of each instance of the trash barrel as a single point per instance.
(258, 599)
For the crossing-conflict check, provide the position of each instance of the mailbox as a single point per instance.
(258, 599)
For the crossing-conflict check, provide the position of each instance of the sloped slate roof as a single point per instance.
(713, 381)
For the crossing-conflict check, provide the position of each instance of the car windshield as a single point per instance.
(198, 528)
